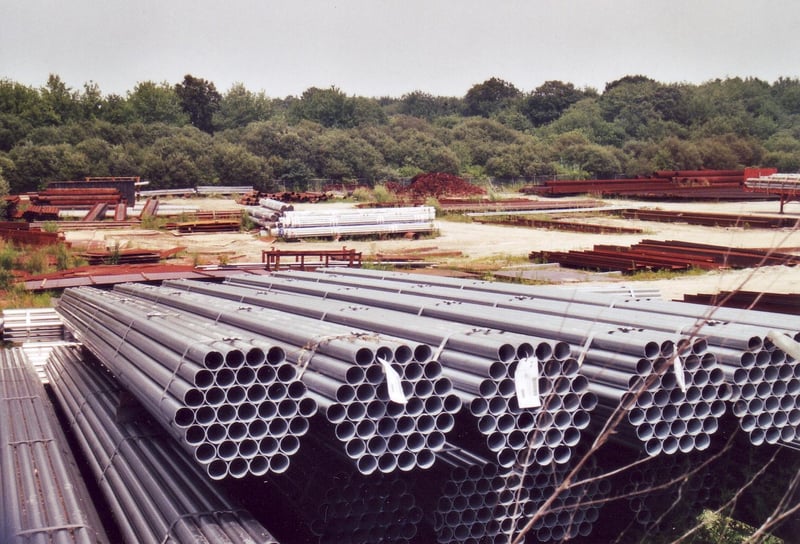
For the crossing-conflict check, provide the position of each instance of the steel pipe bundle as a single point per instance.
(304, 224)
(788, 183)
(576, 507)
(31, 325)
(659, 492)
(275, 205)
(236, 406)
(514, 435)
(479, 502)
(348, 373)
(157, 494)
(377, 216)
(262, 216)
(326, 498)
(767, 393)
(673, 402)
(618, 361)
(223, 189)
(292, 233)
(737, 338)
(481, 364)
(43, 497)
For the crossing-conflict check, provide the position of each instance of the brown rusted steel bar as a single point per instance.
(787, 303)
(120, 212)
(33, 237)
(97, 211)
(655, 254)
(570, 226)
(709, 219)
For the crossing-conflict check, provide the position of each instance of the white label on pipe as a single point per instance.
(393, 383)
(526, 381)
(677, 366)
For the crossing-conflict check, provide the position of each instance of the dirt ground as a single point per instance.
(488, 247)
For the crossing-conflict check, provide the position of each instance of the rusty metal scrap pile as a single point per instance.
(678, 184)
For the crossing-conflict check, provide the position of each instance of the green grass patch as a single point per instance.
(649, 275)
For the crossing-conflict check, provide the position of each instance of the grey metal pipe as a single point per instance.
(137, 492)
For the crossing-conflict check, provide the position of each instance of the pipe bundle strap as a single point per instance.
(116, 452)
(51, 530)
(197, 516)
(311, 347)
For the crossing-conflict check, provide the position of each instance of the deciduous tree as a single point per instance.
(199, 99)
(488, 97)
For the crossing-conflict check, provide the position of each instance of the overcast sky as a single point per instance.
(392, 47)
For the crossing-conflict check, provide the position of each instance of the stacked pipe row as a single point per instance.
(331, 502)
(619, 361)
(776, 183)
(733, 336)
(31, 325)
(664, 414)
(480, 502)
(480, 362)
(43, 496)
(552, 429)
(275, 205)
(347, 372)
(574, 509)
(236, 406)
(157, 494)
(664, 485)
(757, 351)
(767, 382)
(304, 224)
(264, 217)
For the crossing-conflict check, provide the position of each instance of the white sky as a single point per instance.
(391, 47)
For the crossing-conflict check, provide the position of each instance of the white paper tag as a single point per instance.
(677, 366)
(526, 381)
(393, 383)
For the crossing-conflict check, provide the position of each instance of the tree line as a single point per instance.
(188, 133)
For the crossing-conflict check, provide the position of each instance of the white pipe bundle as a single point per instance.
(390, 228)
(275, 205)
(775, 182)
(315, 223)
(380, 216)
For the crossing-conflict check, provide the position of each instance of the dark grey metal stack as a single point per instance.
(480, 362)
(764, 377)
(733, 340)
(235, 405)
(43, 499)
(332, 502)
(157, 494)
(346, 371)
(474, 500)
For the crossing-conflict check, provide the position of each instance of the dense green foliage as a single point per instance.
(187, 133)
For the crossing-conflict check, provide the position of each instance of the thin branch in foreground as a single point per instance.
(732, 501)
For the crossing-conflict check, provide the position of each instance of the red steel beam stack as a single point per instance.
(665, 255)
(785, 303)
(24, 235)
(710, 219)
(680, 184)
(73, 198)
